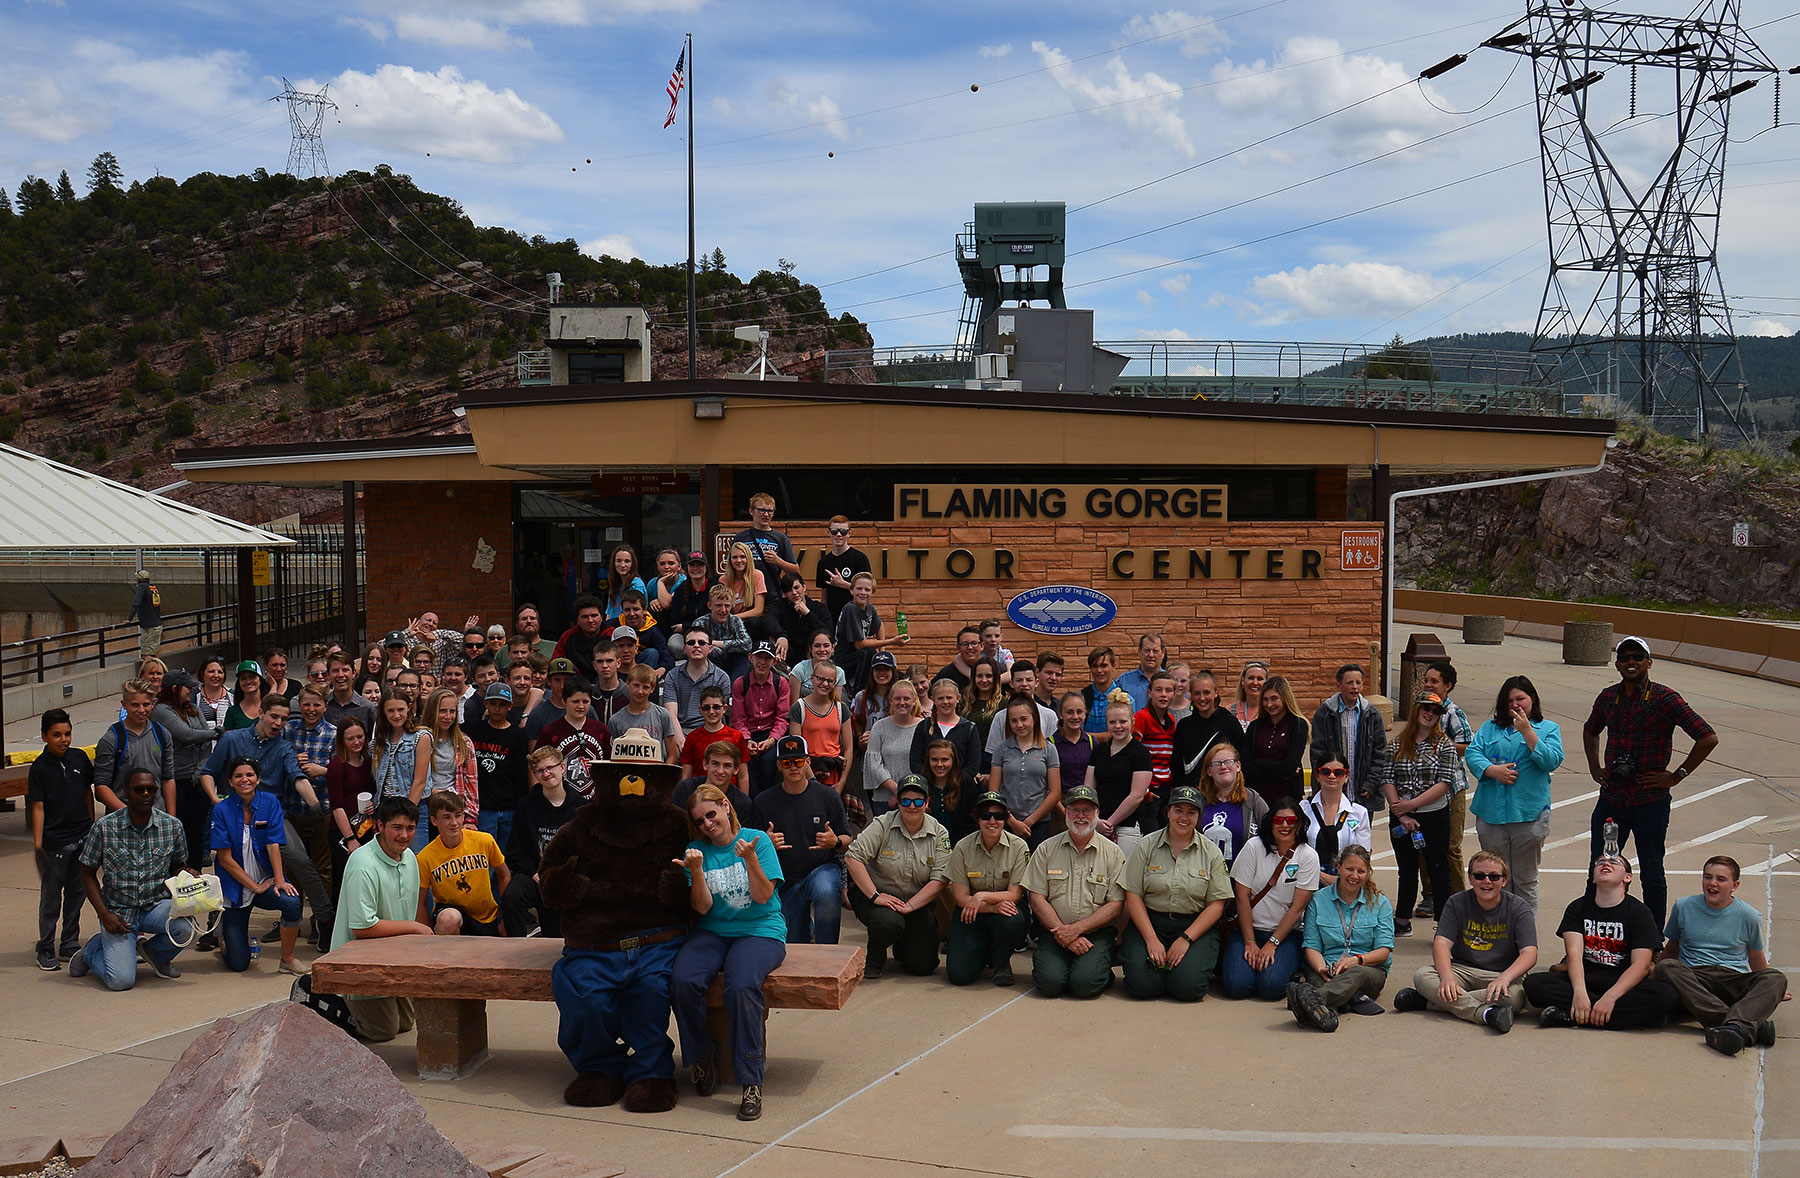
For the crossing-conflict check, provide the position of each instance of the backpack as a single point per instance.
(332, 1008)
(122, 741)
(156, 597)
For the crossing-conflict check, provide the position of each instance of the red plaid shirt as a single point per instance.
(1641, 727)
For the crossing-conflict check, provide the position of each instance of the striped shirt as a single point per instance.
(1429, 765)
(1159, 738)
(134, 860)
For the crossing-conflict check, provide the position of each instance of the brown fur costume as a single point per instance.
(610, 873)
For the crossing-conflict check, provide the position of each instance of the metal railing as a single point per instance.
(534, 367)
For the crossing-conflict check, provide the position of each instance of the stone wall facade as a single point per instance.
(424, 541)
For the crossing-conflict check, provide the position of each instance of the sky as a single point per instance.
(1234, 169)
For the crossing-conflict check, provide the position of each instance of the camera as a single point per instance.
(1622, 772)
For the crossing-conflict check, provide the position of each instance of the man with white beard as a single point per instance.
(1076, 883)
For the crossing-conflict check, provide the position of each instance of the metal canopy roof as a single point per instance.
(44, 504)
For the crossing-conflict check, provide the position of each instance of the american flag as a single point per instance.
(676, 82)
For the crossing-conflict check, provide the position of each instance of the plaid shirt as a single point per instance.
(133, 861)
(1429, 765)
(1641, 727)
(1456, 727)
(319, 745)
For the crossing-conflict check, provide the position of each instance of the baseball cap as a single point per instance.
(1081, 793)
(696, 558)
(456, 660)
(561, 667)
(1183, 795)
(395, 638)
(249, 667)
(763, 646)
(180, 678)
(912, 783)
(1433, 700)
(622, 633)
(143, 574)
(790, 748)
(990, 798)
(883, 659)
(498, 691)
(1630, 640)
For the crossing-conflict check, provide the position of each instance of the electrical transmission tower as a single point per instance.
(306, 114)
(1634, 304)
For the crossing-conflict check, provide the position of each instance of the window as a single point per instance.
(596, 367)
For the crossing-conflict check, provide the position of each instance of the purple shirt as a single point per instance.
(1074, 758)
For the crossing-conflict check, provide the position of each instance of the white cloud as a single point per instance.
(615, 245)
(996, 50)
(1178, 284)
(1197, 35)
(1145, 298)
(208, 82)
(1333, 291)
(1310, 76)
(1767, 327)
(400, 107)
(40, 109)
(820, 112)
(561, 13)
(373, 28)
(455, 32)
(1145, 103)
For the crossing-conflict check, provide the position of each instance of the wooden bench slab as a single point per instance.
(452, 979)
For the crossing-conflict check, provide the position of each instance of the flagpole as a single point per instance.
(693, 307)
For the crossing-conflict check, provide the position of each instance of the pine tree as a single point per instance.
(65, 190)
(6, 209)
(104, 173)
(35, 194)
(716, 263)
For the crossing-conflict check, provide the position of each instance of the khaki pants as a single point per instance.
(1716, 994)
(1474, 983)
(1521, 844)
(380, 1019)
(149, 641)
(1358, 979)
(1459, 823)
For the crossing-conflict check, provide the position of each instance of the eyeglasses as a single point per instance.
(911, 803)
(1284, 822)
(1331, 772)
(788, 762)
(315, 674)
(1488, 876)
(993, 816)
(838, 531)
(1226, 761)
(712, 707)
(763, 510)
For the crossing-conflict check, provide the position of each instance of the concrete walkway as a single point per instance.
(918, 1077)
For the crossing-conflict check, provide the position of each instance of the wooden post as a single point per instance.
(347, 575)
(1382, 484)
(711, 512)
(246, 621)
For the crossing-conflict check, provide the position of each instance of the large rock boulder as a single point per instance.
(282, 1092)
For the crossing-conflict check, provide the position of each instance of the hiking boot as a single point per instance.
(1003, 976)
(1308, 1007)
(1765, 1033)
(750, 1108)
(706, 1075)
(1725, 1039)
(1410, 999)
(1498, 1016)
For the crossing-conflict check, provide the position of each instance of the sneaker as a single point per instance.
(48, 963)
(273, 935)
(290, 966)
(706, 1075)
(1308, 1007)
(1410, 999)
(1498, 1016)
(1003, 976)
(78, 966)
(1403, 928)
(1363, 1004)
(872, 969)
(1555, 1016)
(164, 969)
(1424, 911)
(1725, 1039)
(66, 955)
(1765, 1033)
(209, 943)
(750, 1108)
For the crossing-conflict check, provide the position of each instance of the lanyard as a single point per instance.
(1349, 928)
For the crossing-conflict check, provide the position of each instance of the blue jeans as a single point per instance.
(746, 963)
(813, 905)
(1238, 980)
(234, 925)
(1649, 825)
(497, 823)
(615, 1011)
(763, 772)
(112, 957)
(424, 834)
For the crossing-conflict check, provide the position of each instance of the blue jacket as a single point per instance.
(1529, 796)
(228, 835)
(275, 763)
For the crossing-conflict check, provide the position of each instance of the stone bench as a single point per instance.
(452, 979)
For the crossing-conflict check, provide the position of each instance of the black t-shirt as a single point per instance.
(535, 823)
(65, 785)
(499, 764)
(1195, 738)
(848, 564)
(853, 625)
(737, 798)
(799, 818)
(761, 545)
(950, 672)
(1608, 936)
(1112, 777)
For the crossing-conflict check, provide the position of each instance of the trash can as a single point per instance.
(1421, 651)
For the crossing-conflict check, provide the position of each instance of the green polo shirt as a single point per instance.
(981, 870)
(1077, 883)
(375, 888)
(900, 863)
(1179, 884)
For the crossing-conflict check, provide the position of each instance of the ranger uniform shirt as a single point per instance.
(1077, 883)
(981, 870)
(1181, 884)
(900, 863)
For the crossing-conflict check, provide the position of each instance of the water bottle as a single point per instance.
(255, 948)
(1401, 835)
(900, 623)
(1610, 839)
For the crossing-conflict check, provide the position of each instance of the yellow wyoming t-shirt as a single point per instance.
(458, 878)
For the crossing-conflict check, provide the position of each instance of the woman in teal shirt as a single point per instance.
(741, 934)
(1512, 757)
(1348, 943)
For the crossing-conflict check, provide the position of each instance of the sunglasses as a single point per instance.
(911, 803)
(787, 761)
(993, 816)
(712, 707)
(1631, 658)
(689, 642)
(1488, 876)
(838, 531)
(315, 674)
(1331, 772)
(1284, 822)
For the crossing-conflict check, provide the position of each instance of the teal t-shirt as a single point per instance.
(733, 913)
(1715, 936)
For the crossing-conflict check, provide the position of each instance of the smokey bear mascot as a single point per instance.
(625, 913)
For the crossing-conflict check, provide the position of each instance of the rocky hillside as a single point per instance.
(1653, 528)
(227, 310)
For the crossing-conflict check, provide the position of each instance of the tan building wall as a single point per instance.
(424, 541)
(1305, 629)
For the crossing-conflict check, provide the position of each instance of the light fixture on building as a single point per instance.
(709, 408)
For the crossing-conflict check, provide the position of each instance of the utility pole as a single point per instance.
(306, 115)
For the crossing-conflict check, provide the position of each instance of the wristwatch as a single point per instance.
(1681, 773)
(1275, 942)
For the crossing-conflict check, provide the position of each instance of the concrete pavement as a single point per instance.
(917, 1076)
